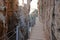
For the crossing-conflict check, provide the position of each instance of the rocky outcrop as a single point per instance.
(24, 19)
(8, 19)
(45, 14)
(49, 12)
(57, 18)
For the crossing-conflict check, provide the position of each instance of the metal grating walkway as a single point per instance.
(37, 31)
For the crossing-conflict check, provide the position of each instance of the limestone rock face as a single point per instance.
(8, 19)
(45, 14)
(57, 19)
(49, 12)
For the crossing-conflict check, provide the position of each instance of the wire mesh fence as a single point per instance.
(9, 35)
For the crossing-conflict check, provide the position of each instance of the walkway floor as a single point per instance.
(37, 31)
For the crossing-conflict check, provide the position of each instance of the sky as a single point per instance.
(20, 2)
(33, 4)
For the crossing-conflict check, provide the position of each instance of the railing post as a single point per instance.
(17, 33)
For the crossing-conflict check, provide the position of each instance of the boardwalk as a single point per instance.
(37, 31)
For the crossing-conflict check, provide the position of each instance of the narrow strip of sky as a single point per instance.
(21, 1)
